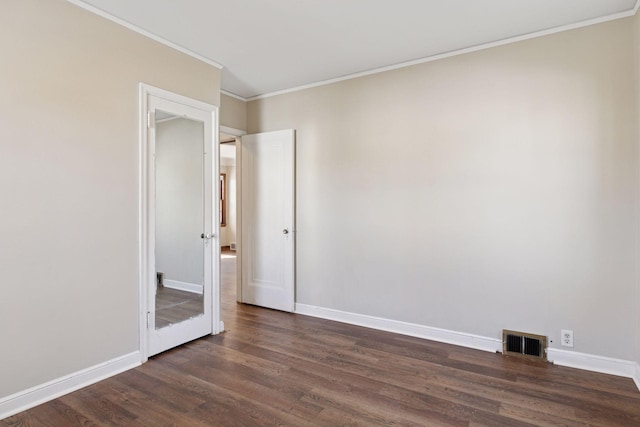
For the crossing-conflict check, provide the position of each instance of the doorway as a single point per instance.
(228, 207)
(261, 246)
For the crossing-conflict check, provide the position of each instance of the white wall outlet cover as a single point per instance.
(566, 338)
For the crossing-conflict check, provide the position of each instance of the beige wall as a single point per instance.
(497, 189)
(233, 112)
(69, 184)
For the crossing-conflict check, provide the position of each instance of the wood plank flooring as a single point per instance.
(272, 368)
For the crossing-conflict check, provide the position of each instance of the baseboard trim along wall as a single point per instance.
(404, 328)
(592, 362)
(183, 286)
(588, 362)
(34, 396)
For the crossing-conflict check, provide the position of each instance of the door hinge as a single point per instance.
(148, 319)
(151, 119)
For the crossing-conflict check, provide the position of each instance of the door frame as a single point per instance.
(145, 279)
(238, 133)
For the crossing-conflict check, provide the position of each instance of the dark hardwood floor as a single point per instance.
(273, 368)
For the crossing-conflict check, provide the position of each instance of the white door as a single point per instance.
(181, 244)
(268, 224)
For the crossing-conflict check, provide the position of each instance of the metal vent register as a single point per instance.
(523, 344)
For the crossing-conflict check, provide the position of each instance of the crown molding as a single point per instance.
(431, 58)
(238, 97)
(453, 53)
(145, 33)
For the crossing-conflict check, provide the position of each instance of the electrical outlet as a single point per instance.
(566, 338)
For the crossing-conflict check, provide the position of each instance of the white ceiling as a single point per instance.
(268, 46)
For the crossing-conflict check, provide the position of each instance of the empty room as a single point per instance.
(365, 212)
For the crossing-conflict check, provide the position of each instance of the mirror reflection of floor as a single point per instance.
(174, 306)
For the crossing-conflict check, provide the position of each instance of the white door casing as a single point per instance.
(152, 340)
(268, 219)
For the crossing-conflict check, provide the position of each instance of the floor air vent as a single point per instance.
(522, 344)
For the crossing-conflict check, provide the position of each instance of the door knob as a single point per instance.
(285, 231)
(207, 236)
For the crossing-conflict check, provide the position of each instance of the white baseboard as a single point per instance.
(436, 334)
(183, 286)
(589, 362)
(34, 396)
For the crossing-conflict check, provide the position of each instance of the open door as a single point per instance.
(268, 222)
(181, 267)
